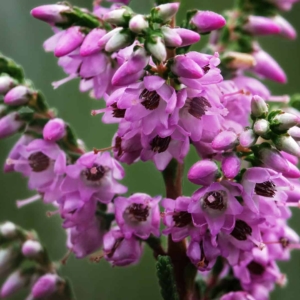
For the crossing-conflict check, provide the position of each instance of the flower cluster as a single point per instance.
(164, 99)
(26, 264)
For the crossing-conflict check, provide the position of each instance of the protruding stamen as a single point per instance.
(10, 161)
(282, 99)
(96, 257)
(21, 203)
(64, 260)
(96, 151)
(289, 204)
(52, 213)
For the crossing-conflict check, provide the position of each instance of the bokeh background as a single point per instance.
(21, 38)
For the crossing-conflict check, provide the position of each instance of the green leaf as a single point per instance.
(165, 274)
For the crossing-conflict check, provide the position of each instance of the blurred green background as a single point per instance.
(21, 38)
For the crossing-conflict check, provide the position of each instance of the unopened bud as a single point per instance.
(8, 258)
(292, 171)
(10, 124)
(262, 128)
(288, 144)
(6, 84)
(14, 283)
(19, 95)
(286, 29)
(90, 43)
(294, 132)
(46, 286)
(284, 121)
(138, 24)
(207, 21)
(8, 230)
(248, 138)
(186, 67)
(257, 25)
(238, 60)
(164, 12)
(171, 37)
(187, 36)
(71, 39)
(52, 14)
(119, 16)
(259, 108)
(54, 130)
(31, 249)
(203, 172)
(118, 41)
(231, 165)
(225, 140)
(157, 48)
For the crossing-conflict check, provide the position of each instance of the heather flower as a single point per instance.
(202, 253)
(225, 140)
(231, 165)
(10, 124)
(138, 23)
(138, 215)
(216, 206)
(120, 251)
(6, 84)
(46, 286)
(257, 25)
(178, 220)
(41, 162)
(166, 11)
(31, 249)
(95, 175)
(150, 101)
(263, 185)
(161, 148)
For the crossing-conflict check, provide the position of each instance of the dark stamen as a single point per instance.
(215, 200)
(206, 68)
(118, 145)
(150, 99)
(39, 162)
(284, 242)
(95, 173)
(203, 263)
(198, 106)
(114, 248)
(182, 218)
(256, 268)
(159, 144)
(138, 212)
(241, 230)
(266, 189)
(117, 112)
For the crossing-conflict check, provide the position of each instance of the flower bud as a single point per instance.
(271, 157)
(138, 24)
(288, 144)
(248, 138)
(171, 37)
(31, 249)
(286, 29)
(188, 37)
(203, 172)
(157, 48)
(52, 14)
(225, 140)
(19, 95)
(284, 121)
(186, 67)
(132, 70)
(8, 230)
(90, 43)
(238, 60)
(257, 25)
(259, 108)
(294, 132)
(46, 286)
(118, 41)
(105, 38)
(231, 165)
(6, 83)
(10, 125)
(165, 12)
(261, 127)
(54, 130)
(69, 41)
(267, 67)
(118, 16)
(14, 283)
(207, 21)
(292, 171)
